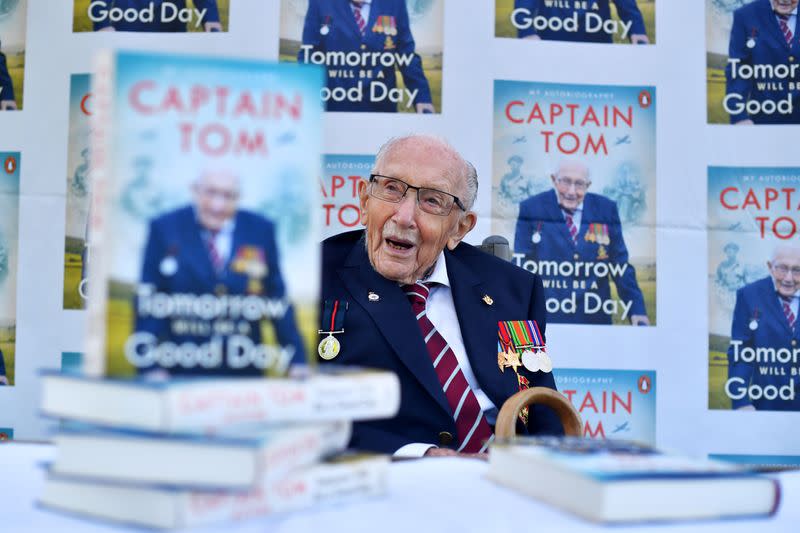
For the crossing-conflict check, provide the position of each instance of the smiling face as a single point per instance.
(403, 241)
(784, 7)
(571, 182)
(216, 198)
(785, 270)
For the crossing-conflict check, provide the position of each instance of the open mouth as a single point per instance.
(399, 244)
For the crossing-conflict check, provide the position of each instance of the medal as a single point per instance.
(545, 364)
(753, 324)
(372, 297)
(324, 30)
(168, 266)
(524, 336)
(751, 43)
(537, 235)
(530, 361)
(329, 347)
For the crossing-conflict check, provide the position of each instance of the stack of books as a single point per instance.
(184, 453)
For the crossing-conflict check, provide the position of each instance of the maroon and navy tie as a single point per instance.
(213, 254)
(573, 229)
(787, 310)
(360, 22)
(474, 432)
(783, 21)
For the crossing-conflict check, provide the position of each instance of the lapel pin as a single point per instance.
(487, 299)
(372, 297)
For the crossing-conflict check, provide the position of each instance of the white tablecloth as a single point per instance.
(441, 495)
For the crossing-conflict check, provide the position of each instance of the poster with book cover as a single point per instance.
(205, 243)
(382, 56)
(9, 244)
(76, 244)
(340, 177)
(752, 53)
(574, 192)
(613, 404)
(173, 16)
(753, 281)
(13, 22)
(582, 21)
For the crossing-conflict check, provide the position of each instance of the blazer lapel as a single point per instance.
(393, 317)
(478, 322)
(196, 248)
(769, 20)
(556, 217)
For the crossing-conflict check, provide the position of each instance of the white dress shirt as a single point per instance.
(791, 21)
(442, 313)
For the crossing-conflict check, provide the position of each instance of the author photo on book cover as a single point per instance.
(590, 21)
(763, 354)
(568, 223)
(150, 15)
(363, 44)
(213, 247)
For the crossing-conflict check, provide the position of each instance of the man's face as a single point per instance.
(403, 241)
(784, 7)
(785, 271)
(571, 183)
(216, 197)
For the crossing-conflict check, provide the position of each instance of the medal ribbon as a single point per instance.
(505, 336)
(331, 308)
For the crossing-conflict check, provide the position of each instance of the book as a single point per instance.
(232, 459)
(204, 244)
(328, 483)
(622, 481)
(204, 405)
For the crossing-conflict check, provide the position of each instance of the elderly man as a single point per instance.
(213, 247)
(763, 37)
(764, 338)
(407, 295)
(567, 224)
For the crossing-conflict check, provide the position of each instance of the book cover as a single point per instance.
(9, 246)
(13, 22)
(385, 56)
(340, 177)
(751, 63)
(76, 228)
(613, 404)
(150, 15)
(205, 246)
(753, 280)
(574, 192)
(583, 21)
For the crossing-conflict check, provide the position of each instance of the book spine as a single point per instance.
(353, 397)
(101, 146)
(301, 446)
(323, 484)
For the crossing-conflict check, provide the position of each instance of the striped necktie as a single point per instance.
(573, 229)
(360, 22)
(783, 21)
(787, 310)
(213, 253)
(474, 433)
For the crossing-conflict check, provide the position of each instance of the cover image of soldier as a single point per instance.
(213, 247)
(7, 101)
(514, 187)
(366, 26)
(3, 378)
(569, 224)
(165, 15)
(763, 60)
(764, 338)
(628, 12)
(408, 296)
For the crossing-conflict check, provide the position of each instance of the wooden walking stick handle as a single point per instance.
(507, 417)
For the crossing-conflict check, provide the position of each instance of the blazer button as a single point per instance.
(445, 438)
(576, 257)
(794, 342)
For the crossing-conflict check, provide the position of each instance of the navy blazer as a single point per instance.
(384, 334)
(756, 23)
(758, 302)
(178, 234)
(6, 85)
(341, 35)
(627, 9)
(541, 214)
(175, 25)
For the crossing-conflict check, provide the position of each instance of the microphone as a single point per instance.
(497, 246)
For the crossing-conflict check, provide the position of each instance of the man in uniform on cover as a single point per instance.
(764, 331)
(569, 224)
(366, 27)
(763, 44)
(214, 248)
(597, 12)
(167, 15)
(7, 101)
(407, 295)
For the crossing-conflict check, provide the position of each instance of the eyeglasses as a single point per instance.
(784, 269)
(431, 201)
(580, 185)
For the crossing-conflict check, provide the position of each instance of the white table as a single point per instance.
(441, 495)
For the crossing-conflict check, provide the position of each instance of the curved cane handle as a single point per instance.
(507, 417)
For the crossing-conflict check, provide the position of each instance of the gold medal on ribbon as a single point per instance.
(329, 347)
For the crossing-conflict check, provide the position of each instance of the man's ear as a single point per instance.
(465, 225)
(362, 201)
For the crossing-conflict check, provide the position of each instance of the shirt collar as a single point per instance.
(792, 13)
(226, 229)
(578, 210)
(439, 274)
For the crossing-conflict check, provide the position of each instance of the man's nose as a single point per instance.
(406, 209)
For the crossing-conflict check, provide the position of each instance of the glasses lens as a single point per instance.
(388, 189)
(435, 202)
